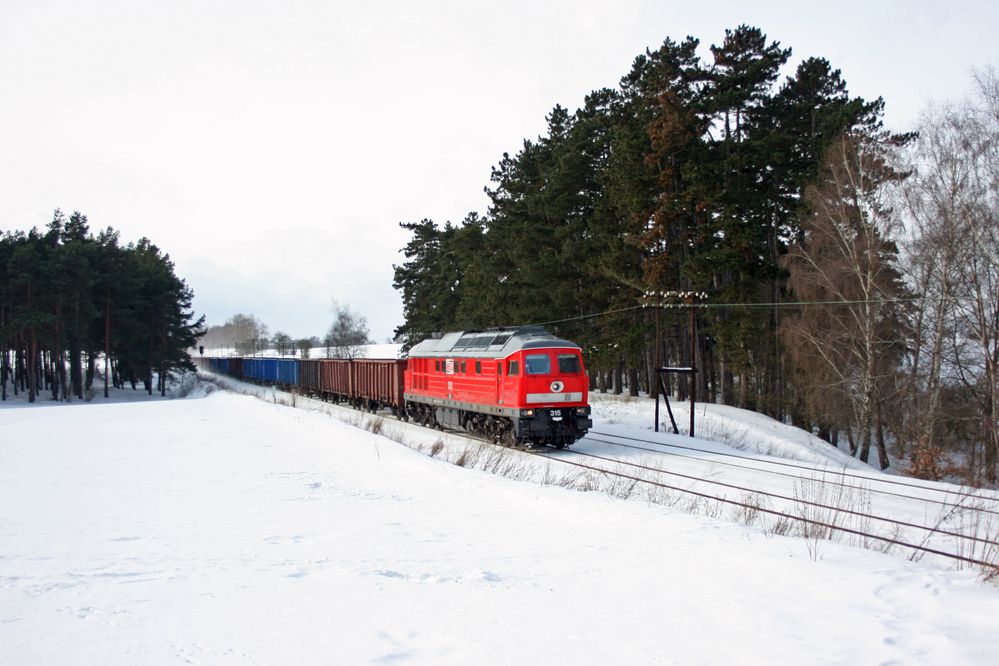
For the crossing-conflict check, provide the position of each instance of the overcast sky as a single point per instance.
(272, 148)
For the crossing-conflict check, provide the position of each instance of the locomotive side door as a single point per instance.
(499, 383)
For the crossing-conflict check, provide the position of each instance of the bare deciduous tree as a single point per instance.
(244, 334)
(348, 334)
(283, 344)
(844, 353)
(934, 199)
(305, 346)
(953, 247)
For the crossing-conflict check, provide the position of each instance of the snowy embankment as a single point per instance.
(721, 428)
(225, 529)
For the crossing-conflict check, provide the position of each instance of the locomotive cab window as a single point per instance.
(513, 368)
(568, 364)
(537, 364)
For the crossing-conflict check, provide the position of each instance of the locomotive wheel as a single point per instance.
(508, 438)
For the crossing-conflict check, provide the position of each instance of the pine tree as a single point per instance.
(419, 279)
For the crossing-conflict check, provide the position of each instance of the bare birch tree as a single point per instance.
(348, 334)
(953, 246)
(845, 345)
(936, 203)
(978, 275)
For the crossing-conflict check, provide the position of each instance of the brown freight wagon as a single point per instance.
(378, 383)
(308, 377)
(335, 379)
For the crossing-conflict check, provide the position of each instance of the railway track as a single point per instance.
(877, 484)
(813, 514)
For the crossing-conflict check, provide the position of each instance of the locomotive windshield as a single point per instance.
(568, 364)
(537, 364)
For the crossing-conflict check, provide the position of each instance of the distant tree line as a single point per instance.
(245, 335)
(242, 333)
(74, 305)
(784, 202)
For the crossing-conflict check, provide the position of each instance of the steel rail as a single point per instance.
(841, 471)
(818, 523)
(762, 470)
(795, 500)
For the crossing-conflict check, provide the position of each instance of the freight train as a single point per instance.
(516, 386)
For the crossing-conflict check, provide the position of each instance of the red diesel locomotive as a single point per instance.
(517, 386)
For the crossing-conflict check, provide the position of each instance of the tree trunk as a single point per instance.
(882, 449)
(62, 376)
(54, 371)
(91, 370)
(32, 367)
(18, 369)
(727, 381)
(107, 342)
(76, 370)
(991, 442)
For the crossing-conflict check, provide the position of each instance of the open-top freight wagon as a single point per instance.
(365, 383)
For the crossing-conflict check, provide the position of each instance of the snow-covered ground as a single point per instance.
(729, 427)
(222, 528)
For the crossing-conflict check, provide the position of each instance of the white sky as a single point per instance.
(273, 148)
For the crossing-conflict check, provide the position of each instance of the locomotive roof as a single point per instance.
(490, 343)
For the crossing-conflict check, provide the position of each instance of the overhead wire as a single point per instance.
(716, 306)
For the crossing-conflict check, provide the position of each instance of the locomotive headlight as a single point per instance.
(527, 412)
(585, 409)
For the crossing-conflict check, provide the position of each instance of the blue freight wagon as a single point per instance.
(220, 365)
(287, 372)
(280, 371)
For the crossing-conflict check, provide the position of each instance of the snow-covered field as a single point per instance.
(222, 528)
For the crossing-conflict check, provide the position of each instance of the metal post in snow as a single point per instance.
(693, 359)
(659, 346)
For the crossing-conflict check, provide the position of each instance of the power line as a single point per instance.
(590, 316)
(788, 304)
(716, 306)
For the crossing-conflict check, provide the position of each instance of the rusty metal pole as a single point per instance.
(654, 380)
(693, 361)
